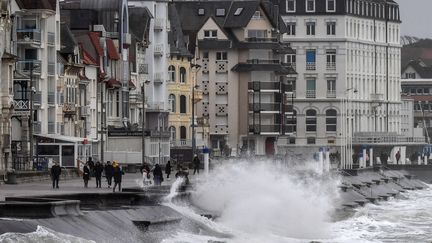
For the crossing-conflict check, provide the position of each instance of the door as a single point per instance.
(269, 146)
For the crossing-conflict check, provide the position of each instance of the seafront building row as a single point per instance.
(136, 80)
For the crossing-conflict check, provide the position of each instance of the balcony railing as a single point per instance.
(21, 105)
(29, 36)
(158, 50)
(158, 78)
(51, 68)
(37, 127)
(310, 94)
(331, 66)
(143, 69)
(37, 98)
(260, 86)
(157, 106)
(263, 61)
(263, 107)
(289, 95)
(262, 39)
(159, 24)
(51, 38)
(310, 65)
(85, 111)
(25, 66)
(51, 98)
(385, 138)
(257, 129)
(51, 127)
(69, 109)
(181, 143)
(331, 93)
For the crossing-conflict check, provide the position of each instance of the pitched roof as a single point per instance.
(422, 49)
(176, 37)
(87, 58)
(139, 22)
(242, 19)
(94, 37)
(67, 39)
(113, 83)
(112, 50)
(421, 68)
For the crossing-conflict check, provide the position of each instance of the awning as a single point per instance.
(63, 138)
(113, 83)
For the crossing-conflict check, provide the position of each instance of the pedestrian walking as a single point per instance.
(86, 175)
(91, 165)
(145, 171)
(168, 169)
(157, 175)
(196, 163)
(55, 175)
(117, 176)
(398, 157)
(98, 174)
(109, 173)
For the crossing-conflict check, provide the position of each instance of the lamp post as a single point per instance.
(347, 130)
(143, 123)
(32, 91)
(195, 68)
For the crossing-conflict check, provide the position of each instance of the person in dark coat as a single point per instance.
(86, 175)
(196, 163)
(91, 165)
(182, 173)
(398, 155)
(157, 175)
(168, 169)
(117, 176)
(98, 169)
(55, 175)
(109, 173)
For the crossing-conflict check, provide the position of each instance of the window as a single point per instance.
(331, 5)
(310, 59)
(171, 73)
(331, 88)
(117, 104)
(221, 56)
(310, 28)
(310, 5)
(182, 132)
(291, 28)
(331, 120)
(310, 88)
(291, 59)
(182, 104)
(331, 28)
(410, 75)
(257, 15)
(257, 33)
(201, 11)
(291, 122)
(310, 140)
(238, 11)
(331, 59)
(210, 34)
(311, 120)
(206, 54)
(291, 86)
(290, 6)
(172, 103)
(220, 12)
(172, 131)
(182, 75)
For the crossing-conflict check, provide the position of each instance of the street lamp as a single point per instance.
(32, 91)
(193, 119)
(143, 118)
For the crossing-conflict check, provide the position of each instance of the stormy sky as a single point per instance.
(416, 17)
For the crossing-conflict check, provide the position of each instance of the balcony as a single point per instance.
(51, 38)
(261, 39)
(51, 98)
(135, 98)
(331, 66)
(310, 65)
(263, 61)
(198, 95)
(158, 78)
(159, 24)
(25, 66)
(69, 109)
(37, 127)
(143, 69)
(331, 93)
(155, 106)
(181, 143)
(51, 127)
(310, 93)
(260, 129)
(85, 111)
(221, 66)
(37, 98)
(265, 107)
(264, 86)
(51, 68)
(158, 50)
(28, 36)
(365, 138)
(289, 95)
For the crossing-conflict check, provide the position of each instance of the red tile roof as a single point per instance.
(94, 37)
(113, 83)
(112, 50)
(88, 59)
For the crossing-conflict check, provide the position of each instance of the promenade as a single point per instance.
(75, 185)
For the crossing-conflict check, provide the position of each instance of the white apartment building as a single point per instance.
(346, 50)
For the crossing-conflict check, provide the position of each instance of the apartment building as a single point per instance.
(242, 75)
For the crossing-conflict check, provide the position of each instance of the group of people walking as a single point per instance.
(112, 171)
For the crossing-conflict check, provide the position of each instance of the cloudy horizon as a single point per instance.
(415, 14)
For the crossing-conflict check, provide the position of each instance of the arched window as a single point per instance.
(172, 131)
(291, 123)
(182, 104)
(182, 132)
(171, 73)
(182, 75)
(172, 102)
(311, 120)
(331, 120)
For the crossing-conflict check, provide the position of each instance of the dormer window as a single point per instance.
(331, 5)
(201, 11)
(210, 34)
(257, 15)
(310, 5)
(238, 11)
(290, 6)
(220, 12)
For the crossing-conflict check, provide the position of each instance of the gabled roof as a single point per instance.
(422, 49)
(112, 50)
(176, 37)
(37, 4)
(421, 68)
(241, 20)
(139, 22)
(94, 37)
(87, 58)
(67, 40)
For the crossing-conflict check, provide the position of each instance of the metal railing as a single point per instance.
(262, 107)
(310, 93)
(331, 93)
(21, 104)
(264, 128)
(386, 139)
(158, 78)
(263, 61)
(37, 127)
(143, 68)
(24, 66)
(259, 85)
(310, 65)
(28, 36)
(181, 143)
(262, 39)
(158, 50)
(331, 66)
(155, 106)
(51, 38)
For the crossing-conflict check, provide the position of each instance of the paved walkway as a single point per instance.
(74, 186)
